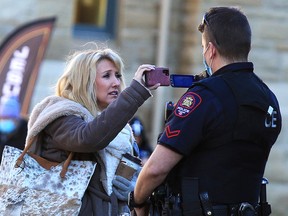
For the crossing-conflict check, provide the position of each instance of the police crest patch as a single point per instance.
(187, 104)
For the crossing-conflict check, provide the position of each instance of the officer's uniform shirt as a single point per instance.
(201, 129)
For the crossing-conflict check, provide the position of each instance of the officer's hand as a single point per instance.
(144, 211)
(121, 187)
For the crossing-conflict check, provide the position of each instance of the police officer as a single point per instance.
(218, 138)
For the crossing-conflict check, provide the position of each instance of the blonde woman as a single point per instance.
(88, 116)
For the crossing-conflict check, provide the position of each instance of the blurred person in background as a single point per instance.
(13, 128)
(145, 149)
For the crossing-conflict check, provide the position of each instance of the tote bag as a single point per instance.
(31, 185)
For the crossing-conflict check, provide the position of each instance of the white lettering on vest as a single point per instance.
(270, 121)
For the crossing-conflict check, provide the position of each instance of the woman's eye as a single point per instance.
(118, 75)
(106, 75)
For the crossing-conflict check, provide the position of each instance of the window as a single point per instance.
(95, 19)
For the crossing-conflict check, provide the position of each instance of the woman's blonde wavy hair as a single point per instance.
(77, 83)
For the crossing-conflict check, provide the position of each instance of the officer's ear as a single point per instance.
(213, 50)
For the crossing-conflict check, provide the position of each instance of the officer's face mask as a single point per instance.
(7, 126)
(207, 67)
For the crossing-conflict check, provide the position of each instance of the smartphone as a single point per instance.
(181, 81)
(158, 75)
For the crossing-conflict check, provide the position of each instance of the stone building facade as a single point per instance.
(137, 39)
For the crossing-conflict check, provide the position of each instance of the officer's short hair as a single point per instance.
(229, 30)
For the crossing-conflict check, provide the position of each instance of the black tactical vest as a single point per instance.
(257, 120)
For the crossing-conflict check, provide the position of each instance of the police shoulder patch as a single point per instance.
(187, 104)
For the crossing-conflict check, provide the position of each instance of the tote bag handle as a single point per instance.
(46, 164)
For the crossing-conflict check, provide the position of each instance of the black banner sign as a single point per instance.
(21, 54)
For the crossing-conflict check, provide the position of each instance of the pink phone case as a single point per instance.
(159, 75)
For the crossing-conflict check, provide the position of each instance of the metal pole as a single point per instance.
(157, 120)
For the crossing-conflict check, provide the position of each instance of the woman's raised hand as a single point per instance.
(140, 73)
